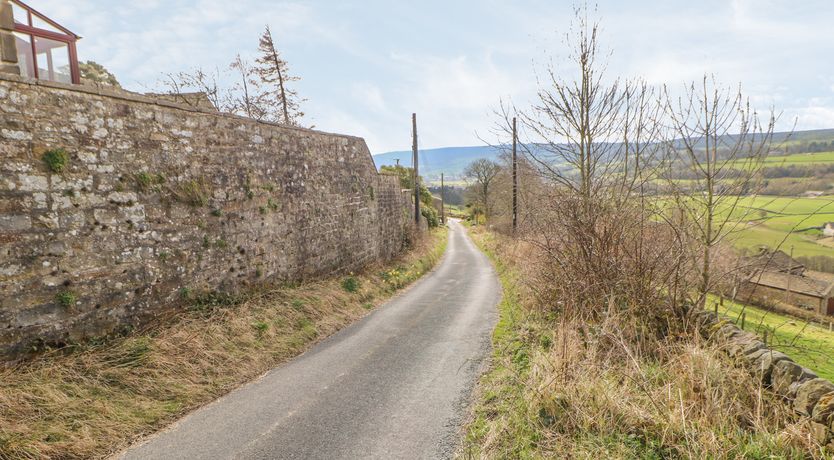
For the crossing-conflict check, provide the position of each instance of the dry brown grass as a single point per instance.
(95, 401)
(561, 387)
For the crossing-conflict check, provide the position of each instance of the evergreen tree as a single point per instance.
(273, 72)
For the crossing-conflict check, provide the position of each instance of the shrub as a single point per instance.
(56, 160)
(430, 214)
(66, 299)
(350, 284)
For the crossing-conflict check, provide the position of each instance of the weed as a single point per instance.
(297, 304)
(66, 299)
(259, 272)
(163, 256)
(185, 293)
(217, 213)
(221, 244)
(262, 210)
(368, 306)
(206, 242)
(194, 192)
(350, 284)
(272, 204)
(261, 327)
(56, 160)
(146, 181)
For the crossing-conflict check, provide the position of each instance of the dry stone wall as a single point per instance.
(113, 207)
(810, 397)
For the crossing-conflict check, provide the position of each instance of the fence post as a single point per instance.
(743, 319)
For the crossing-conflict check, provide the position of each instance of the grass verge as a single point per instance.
(98, 399)
(556, 390)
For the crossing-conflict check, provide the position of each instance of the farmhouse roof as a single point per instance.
(811, 283)
(775, 261)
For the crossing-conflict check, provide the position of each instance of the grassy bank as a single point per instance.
(553, 392)
(100, 397)
(809, 344)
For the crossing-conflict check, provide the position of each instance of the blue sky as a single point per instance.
(366, 65)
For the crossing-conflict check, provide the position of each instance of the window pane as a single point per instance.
(53, 60)
(20, 15)
(41, 24)
(24, 54)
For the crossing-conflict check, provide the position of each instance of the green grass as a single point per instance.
(502, 387)
(783, 222)
(800, 159)
(808, 344)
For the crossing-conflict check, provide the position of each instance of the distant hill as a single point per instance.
(449, 160)
(453, 160)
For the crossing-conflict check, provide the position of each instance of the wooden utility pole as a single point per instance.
(515, 179)
(415, 162)
(442, 202)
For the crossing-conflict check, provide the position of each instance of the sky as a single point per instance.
(366, 65)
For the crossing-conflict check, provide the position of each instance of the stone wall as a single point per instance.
(811, 397)
(113, 207)
(768, 295)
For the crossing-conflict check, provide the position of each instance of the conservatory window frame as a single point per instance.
(67, 37)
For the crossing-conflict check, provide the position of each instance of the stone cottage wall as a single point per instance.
(766, 295)
(113, 207)
(811, 397)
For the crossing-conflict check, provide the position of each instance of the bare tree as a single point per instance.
(482, 172)
(273, 71)
(183, 85)
(722, 143)
(249, 99)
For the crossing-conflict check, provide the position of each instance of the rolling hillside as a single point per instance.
(449, 160)
(794, 147)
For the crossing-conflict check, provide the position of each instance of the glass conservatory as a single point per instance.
(45, 49)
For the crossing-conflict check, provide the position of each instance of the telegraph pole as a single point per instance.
(415, 162)
(515, 178)
(442, 203)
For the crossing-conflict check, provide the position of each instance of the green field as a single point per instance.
(784, 222)
(808, 344)
(800, 159)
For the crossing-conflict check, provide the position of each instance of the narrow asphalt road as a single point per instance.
(393, 385)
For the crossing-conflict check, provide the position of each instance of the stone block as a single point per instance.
(763, 366)
(785, 373)
(8, 48)
(820, 433)
(824, 409)
(15, 223)
(808, 394)
(6, 15)
(10, 69)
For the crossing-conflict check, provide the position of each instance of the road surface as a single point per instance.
(394, 385)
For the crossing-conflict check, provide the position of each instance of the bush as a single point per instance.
(431, 216)
(56, 160)
(350, 284)
(66, 299)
